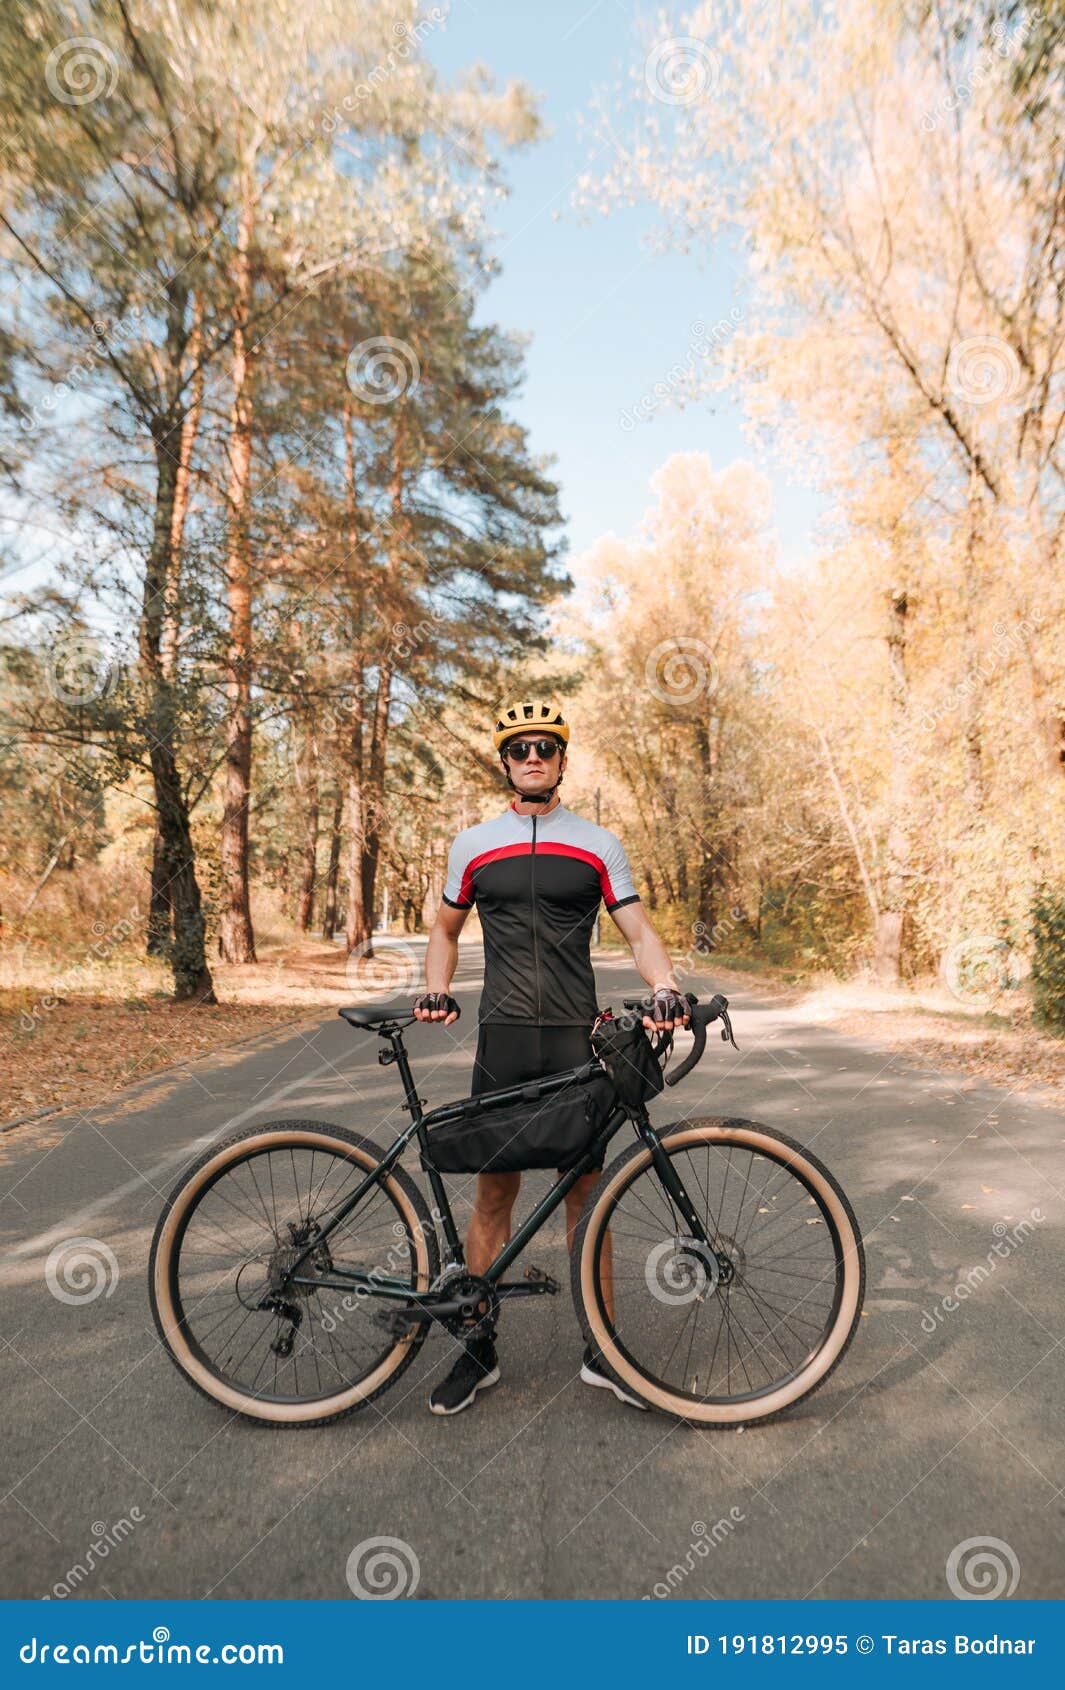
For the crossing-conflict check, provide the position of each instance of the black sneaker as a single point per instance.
(475, 1369)
(593, 1372)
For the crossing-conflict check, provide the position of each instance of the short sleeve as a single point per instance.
(616, 876)
(458, 883)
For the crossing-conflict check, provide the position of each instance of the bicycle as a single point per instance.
(770, 1247)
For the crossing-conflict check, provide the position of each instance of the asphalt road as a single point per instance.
(942, 1426)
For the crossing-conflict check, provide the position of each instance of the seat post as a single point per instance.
(402, 1060)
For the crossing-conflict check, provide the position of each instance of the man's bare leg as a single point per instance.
(489, 1231)
(592, 1367)
(575, 1201)
(476, 1365)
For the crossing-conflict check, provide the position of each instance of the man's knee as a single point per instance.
(496, 1194)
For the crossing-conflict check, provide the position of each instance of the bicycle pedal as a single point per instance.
(539, 1277)
(396, 1322)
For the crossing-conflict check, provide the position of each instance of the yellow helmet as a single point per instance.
(530, 717)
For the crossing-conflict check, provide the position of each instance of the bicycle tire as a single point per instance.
(587, 1286)
(164, 1267)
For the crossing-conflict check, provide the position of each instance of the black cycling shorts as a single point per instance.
(511, 1052)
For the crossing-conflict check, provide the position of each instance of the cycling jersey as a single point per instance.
(537, 882)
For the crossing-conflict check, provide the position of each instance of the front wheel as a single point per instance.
(737, 1330)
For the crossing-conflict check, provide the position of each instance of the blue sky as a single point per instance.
(607, 318)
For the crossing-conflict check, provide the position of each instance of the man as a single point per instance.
(537, 874)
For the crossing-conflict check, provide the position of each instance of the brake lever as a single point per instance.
(726, 1031)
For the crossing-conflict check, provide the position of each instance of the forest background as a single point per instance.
(276, 541)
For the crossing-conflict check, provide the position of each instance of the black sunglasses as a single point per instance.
(519, 749)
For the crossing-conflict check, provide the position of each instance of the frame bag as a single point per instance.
(541, 1131)
(626, 1053)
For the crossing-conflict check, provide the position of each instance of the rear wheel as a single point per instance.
(265, 1348)
(745, 1328)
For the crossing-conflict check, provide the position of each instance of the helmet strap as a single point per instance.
(530, 797)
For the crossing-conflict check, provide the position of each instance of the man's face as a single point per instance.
(535, 761)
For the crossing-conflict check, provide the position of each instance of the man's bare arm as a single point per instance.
(441, 959)
(648, 952)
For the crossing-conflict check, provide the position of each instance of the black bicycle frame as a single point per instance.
(378, 1285)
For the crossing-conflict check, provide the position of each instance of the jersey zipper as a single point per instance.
(535, 932)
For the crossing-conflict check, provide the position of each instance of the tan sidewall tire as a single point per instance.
(287, 1414)
(724, 1414)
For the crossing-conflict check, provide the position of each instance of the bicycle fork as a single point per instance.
(713, 1257)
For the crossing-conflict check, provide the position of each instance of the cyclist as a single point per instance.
(537, 874)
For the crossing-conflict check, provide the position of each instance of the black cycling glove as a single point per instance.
(668, 1005)
(435, 1001)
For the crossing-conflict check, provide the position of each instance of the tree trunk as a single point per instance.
(972, 713)
(891, 918)
(309, 794)
(160, 902)
(236, 938)
(329, 919)
(188, 954)
(373, 812)
(356, 927)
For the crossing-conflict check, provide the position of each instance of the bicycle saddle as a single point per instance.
(363, 1016)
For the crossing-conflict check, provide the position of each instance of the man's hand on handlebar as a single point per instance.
(667, 1008)
(436, 1006)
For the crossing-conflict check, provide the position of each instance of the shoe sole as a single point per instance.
(481, 1385)
(597, 1379)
